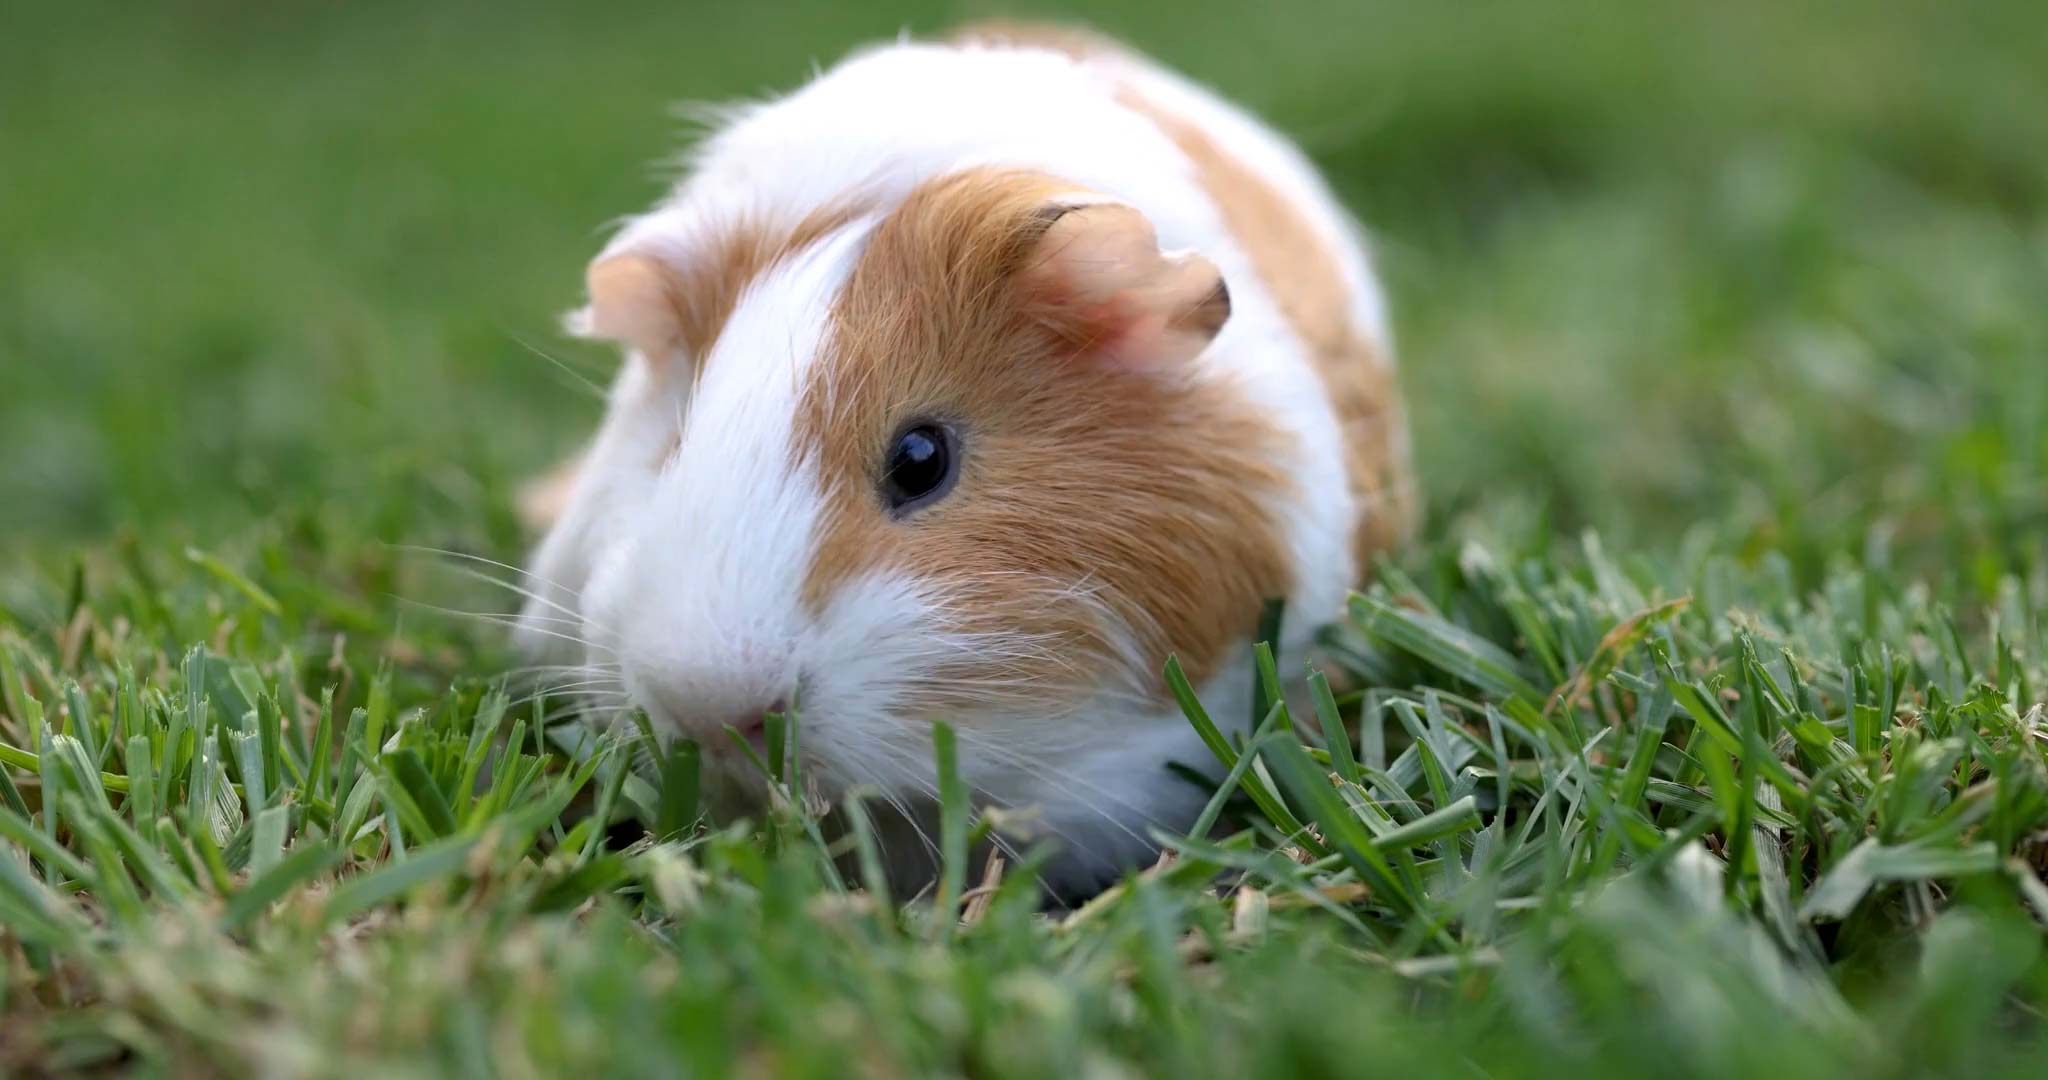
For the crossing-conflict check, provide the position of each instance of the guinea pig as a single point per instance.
(969, 383)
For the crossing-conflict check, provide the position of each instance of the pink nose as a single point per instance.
(751, 723)
(710, 727)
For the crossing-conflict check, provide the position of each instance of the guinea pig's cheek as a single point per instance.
(606, 596)
(877, 634)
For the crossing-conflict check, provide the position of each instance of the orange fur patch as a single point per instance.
(1086, 488)
(1300, 271)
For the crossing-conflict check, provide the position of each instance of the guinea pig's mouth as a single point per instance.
(749, 729)
(741, 747)
(718, 729)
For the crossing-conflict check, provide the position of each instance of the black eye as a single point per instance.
(919, 467)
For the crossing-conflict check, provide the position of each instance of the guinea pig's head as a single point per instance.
(957, 460)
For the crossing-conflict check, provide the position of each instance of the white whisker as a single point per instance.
(422, 549)
(582, 380)
(511, 624)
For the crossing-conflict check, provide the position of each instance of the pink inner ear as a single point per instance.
(1099, 272)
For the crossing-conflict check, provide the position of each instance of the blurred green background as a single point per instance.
(1773, 271)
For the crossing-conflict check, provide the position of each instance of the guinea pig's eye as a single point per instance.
(919, 467)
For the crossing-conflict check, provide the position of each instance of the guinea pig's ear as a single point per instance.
(634, 301)
(1096, 276)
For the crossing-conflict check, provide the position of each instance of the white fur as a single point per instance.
(700, 603)
(689, 578)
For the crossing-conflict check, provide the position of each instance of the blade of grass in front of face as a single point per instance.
(774, 743)
(1306, 783)
(953, 826)
(614, 775)
(680, 777)
(1270, 698)
(869, 853)
(1265, 659)
(1260, 793)
(1232, 781)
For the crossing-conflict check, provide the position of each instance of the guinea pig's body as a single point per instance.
(968, 383)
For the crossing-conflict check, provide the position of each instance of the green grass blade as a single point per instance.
(441, 859)
(953, 825)
(416, 788)
(1332, 723)
(1450, 649)
(304, 864)
(679, 780)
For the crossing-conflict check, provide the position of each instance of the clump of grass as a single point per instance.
(1588, 815)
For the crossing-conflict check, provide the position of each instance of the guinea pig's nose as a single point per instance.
(713, 730)
(753, 723)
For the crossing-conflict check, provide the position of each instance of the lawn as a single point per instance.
(1704, 731)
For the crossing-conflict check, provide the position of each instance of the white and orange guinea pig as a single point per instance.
(968, 383)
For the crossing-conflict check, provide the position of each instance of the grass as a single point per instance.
(1703, 732)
